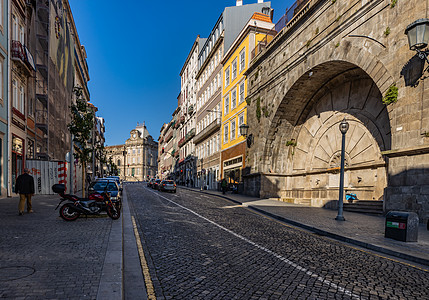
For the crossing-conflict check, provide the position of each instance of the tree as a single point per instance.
(81, 126)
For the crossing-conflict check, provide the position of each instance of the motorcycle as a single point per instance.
(72, 211)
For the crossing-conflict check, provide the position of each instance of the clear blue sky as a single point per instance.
(136, 50)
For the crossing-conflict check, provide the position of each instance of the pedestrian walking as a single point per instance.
(224, 185)
(25, 188)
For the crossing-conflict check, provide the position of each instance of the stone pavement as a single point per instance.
(363, 230)
(45, 257)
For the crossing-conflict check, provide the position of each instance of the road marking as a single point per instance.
(146, 275)
(278, 256)
(344, 244)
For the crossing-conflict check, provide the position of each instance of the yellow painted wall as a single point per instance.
(233, 114)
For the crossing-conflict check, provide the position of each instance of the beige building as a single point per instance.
(136, 160)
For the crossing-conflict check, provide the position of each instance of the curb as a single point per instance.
(322, 232)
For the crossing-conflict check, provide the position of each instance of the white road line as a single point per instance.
(284, 259)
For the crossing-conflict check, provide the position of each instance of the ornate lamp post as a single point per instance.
(344, 126)
(244, 132)
(418, 37)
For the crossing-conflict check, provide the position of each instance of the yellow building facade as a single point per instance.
(234, 91)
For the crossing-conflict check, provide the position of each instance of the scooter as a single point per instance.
(86, 206)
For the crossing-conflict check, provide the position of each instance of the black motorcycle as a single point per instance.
(94, 205)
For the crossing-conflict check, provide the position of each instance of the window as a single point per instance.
(14, 28)
(15, 93)
(234, 69)
(232, 129)
(208, 148)
(233, 99)
(30, 149)
(227, 77)
(241, 119)
(1, 77)
(225, 133)
(241, 92)
(226, 105)
(30, 107)
(242, 59)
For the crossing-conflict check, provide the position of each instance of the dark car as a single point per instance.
(155, 184)
(150, 182)
(108, 185)
(167, 186)
(115, 178)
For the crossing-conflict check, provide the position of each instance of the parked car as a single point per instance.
(108, 185)
(150, 182)
(155, 184)
(167, 186)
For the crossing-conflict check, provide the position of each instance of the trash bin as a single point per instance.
(402, 226)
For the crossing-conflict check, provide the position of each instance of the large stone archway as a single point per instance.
(313, 167)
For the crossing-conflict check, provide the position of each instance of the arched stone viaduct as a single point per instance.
(335, 60)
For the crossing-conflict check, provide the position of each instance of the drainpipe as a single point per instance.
(9, 117)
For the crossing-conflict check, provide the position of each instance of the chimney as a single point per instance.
(240, 2)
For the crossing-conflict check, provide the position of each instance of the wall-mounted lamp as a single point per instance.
(244, 132)
(418, 37)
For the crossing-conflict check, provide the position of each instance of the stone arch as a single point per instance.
(310, 113)
(293, 98)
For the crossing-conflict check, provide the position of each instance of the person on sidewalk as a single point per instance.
(224, 185)
(25, 188)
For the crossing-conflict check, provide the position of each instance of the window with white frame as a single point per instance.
(241, 92)
(15, 34)
(234, 69)
(227, 77)
(242, 59)
(226, 105)
(208, 148)
(233, 130)
(240, 119)
(233, 98)
(225, 133)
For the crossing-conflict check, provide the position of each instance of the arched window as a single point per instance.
(119, 162)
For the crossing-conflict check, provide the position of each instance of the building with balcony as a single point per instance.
(4, 98)
(188, 101)
(234, 107)
(209, 88)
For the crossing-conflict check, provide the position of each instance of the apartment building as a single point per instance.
(188, 99)
(209, 88)
(4, 99)
(259, 29)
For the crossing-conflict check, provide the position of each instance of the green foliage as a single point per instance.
(113, 168)
(308, 44)
(337, 45)
(333, 1)
(292, 143)
(387, 31)
(317, 31)
(391, 95)
(81, 125)
(393, 3)
(258, 109)
(265, 111)
(338, 18)
(248, 101)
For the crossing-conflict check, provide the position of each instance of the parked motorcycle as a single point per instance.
(72, 211)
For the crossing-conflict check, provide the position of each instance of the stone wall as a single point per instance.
(336, 60)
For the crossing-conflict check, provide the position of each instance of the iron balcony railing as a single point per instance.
(211, 128)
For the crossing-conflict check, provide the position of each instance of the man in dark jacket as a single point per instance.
(25, 187)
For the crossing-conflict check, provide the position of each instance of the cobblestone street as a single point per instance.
(204, 247)
(44, 257)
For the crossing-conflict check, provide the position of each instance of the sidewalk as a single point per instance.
(363, 230)
(45, 257)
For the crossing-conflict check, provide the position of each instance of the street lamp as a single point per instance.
(344, 126)
(244, 129)
(418, 37)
